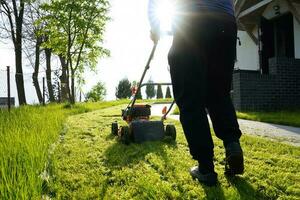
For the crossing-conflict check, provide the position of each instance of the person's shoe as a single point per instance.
(234, 162)
(208, 179)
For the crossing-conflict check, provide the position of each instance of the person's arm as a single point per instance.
(153, 20)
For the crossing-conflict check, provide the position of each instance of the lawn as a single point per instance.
(89, 163)
(27, 135)
(285, 117)
(290, 118)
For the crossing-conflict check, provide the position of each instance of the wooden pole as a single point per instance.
(8, 88)
(59, 92)
(44, 91)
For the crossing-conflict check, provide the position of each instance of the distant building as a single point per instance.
(4, 102)
(267, 71)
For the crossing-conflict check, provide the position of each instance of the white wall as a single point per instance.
(270, 13)
(297, 38)
(247, 53)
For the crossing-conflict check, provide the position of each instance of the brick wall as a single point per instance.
(280, 89)
(3, 102)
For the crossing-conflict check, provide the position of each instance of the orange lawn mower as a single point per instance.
(139, 127)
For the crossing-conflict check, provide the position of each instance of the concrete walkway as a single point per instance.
(285, 134)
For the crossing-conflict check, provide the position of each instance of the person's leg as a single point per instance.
(219, 103)
(188, 73)
(220, 70)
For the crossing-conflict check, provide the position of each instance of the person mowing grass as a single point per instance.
(201, 63)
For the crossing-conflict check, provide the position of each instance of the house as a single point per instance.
(267, 70)
(4, 102)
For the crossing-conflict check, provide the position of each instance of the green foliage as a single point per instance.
(91, 164)
(150, 90)
(74, 31)
(123, 90)
(168, 93)
(159, 94)
(97, 93)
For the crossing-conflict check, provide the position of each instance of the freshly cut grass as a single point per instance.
(26, 137)
(90, 163)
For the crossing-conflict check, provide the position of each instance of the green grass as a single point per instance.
(290, 118)
(89, 163)
(176, 111)
(27, 134)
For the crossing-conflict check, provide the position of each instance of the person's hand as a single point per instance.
(154, 36)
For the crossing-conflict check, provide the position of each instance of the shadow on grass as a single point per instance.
(120, 155)
(245, 189)
(215, 192)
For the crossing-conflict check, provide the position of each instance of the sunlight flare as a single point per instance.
(165, 12)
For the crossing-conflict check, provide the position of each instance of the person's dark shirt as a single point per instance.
(225, 6)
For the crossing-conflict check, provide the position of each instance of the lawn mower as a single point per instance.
(139, 127)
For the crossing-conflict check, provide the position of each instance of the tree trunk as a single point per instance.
(48, 75)
(36, 70)
(19, 75)
(18, 57)
(73, 86)
(64, 80)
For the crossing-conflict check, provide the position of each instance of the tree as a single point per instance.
(159, 94)
(123, 91)
(97, 93)
(138, 93)
(75, 31)
(34, 40)
(13, 12)
(150, 90)
(168, 93)
(48, 53)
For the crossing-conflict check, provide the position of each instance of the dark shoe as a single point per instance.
(209, 179)
(234, 159)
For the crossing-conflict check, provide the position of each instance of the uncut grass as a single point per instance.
(290, 118)
(285, 117)
(89, 163)
(26, 137)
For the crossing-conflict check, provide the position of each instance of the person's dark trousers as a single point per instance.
(201, 63)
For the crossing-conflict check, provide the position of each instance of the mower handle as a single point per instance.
(143, 76)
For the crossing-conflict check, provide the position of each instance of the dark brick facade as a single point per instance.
(280, 89)
(4, 102)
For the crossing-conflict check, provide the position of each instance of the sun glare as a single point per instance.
(165, 13)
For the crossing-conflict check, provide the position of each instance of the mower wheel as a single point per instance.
(125, 134)
(114, 128)
(171, 131)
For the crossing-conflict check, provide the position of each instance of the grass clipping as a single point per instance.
(89, 163)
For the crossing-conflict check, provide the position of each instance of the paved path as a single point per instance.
(286, 134)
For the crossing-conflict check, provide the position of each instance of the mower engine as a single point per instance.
(137, 112)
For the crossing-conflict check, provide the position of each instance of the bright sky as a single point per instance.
(127, 38)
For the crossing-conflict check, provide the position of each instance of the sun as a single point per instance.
(165, 12)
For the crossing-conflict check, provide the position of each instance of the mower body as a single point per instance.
(140, 128)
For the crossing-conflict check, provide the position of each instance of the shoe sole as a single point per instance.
(209, 183)
(234, 164)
